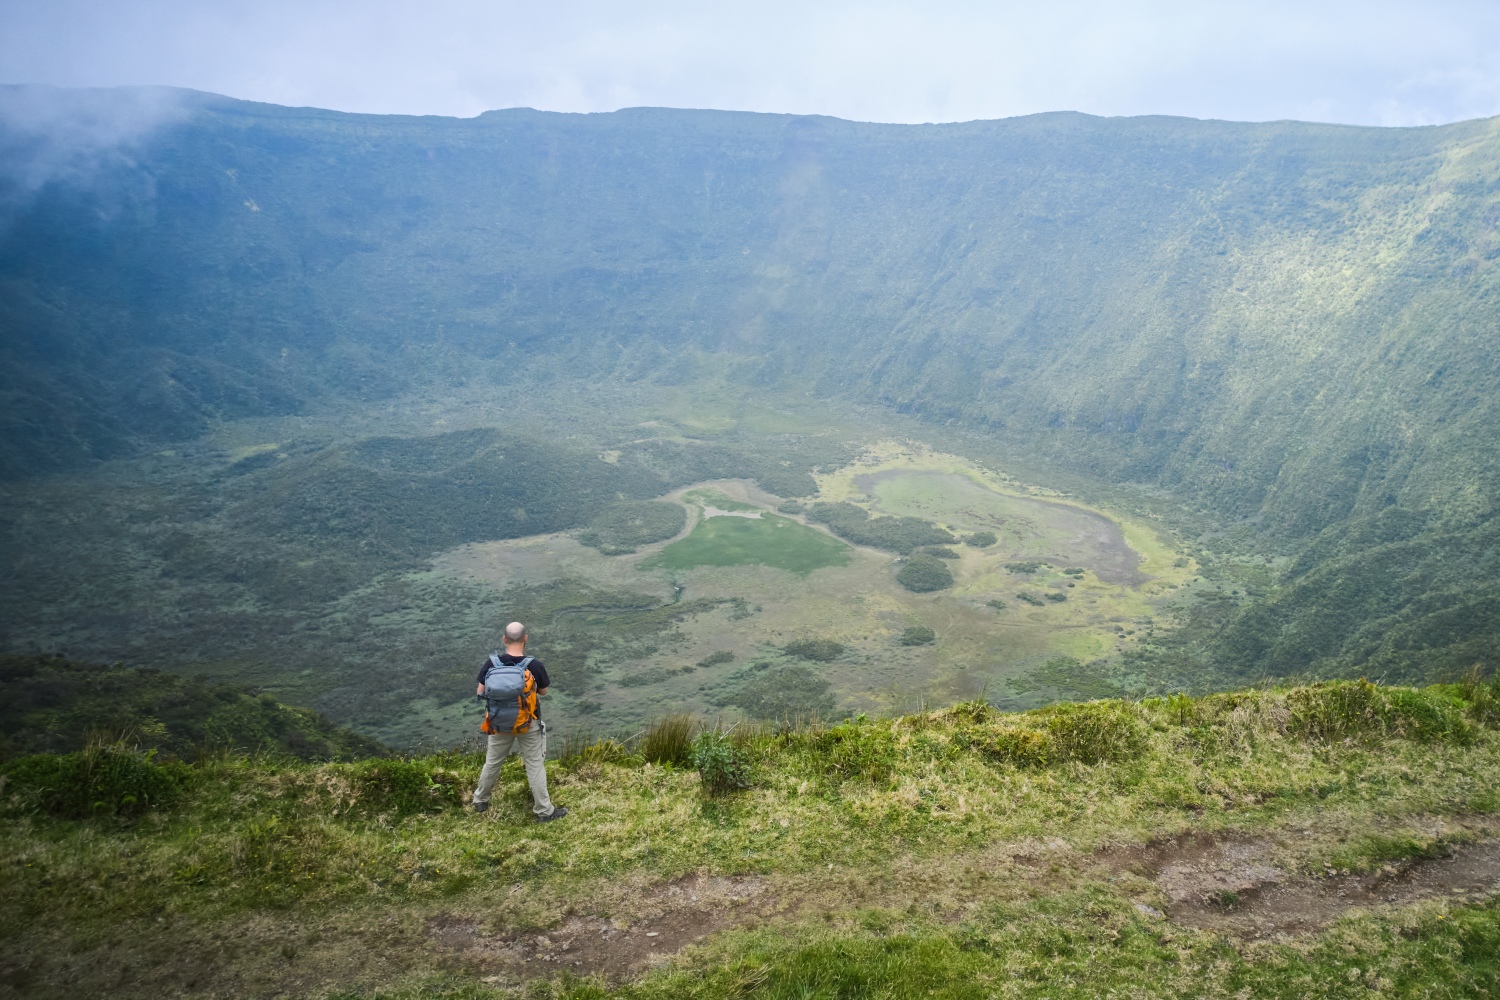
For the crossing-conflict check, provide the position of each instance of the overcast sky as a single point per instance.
(1371, 62)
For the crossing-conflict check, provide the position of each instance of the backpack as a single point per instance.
(509, 696)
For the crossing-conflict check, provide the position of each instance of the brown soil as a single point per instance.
(1238, 887)
(668, 919)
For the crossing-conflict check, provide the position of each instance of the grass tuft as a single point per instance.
(669, 740)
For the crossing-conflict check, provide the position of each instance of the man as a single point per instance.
(531, 743)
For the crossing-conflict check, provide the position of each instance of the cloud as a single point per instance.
(1369, 62)
(49, 134)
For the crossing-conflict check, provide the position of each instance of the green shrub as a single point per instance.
(1017, 746)
(1024, 568)
(923, 573)
(997, 604)
(1055, 597)
(1483, 697)
(403, 786)
(670, 740)
(1029, 598)
(856, 750)
(917, 635)
(723, 765)
(97, 781)
(820, 650)
(714, 659)
(1094, 733)
(981, 539)
(938, 552)
(1361, 711)
(1074, 571)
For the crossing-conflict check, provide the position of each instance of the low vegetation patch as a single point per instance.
(653, 675)
(769, 540)
(917, 635)
(782, 693)
(894, 534)
(923, 573)
(101, 780)
(626, 526)
(817, 650)
(981, 539)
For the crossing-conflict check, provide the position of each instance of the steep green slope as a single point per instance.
(1285, 323)
(48, 704)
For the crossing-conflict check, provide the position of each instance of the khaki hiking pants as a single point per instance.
(532, 746)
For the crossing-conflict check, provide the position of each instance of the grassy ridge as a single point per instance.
(866, 799)
(56, 705)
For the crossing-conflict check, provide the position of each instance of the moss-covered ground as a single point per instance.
(958, 853)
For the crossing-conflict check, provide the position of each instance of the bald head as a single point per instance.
(515, 632)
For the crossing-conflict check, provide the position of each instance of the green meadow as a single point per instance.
(768, 540)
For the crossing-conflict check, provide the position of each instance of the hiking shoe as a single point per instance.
(480, 807)
(557, 813)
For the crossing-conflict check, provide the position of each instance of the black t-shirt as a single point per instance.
(538, 673)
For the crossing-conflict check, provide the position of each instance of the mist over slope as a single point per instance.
(1287, 323)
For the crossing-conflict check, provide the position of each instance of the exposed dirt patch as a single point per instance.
(670, 918)
(1242, 886)
(1238, 886)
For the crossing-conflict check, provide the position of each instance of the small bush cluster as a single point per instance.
(1028, 597)
(917, 635)
(402, 787)
(1091, 733)
(981, 539)
(818, 650)
(923, 573)
(101, 780)
(1361, 711)
(894, 534)
(855, 749)
(723, 765)
(1024, 568)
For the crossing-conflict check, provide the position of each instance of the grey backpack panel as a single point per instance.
(504, 684)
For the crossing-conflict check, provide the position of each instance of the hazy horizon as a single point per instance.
(1393, 64)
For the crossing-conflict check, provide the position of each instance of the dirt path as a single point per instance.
(664, 921)
(1239, 886)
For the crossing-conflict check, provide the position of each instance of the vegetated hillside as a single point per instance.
(49, 704)
(1325, 840)
(1286, 323)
